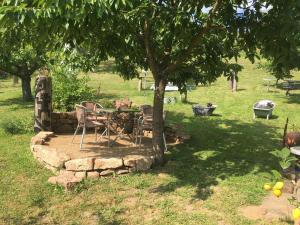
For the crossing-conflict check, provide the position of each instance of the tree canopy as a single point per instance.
(176, 39)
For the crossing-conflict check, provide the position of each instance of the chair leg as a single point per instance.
(96, 134)
(77, 128)
(140, 144)
(135, 137)
(104, 132)
(165, 143)
(82, 136)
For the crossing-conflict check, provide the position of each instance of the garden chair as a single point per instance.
(85, 123)
(123, 103)
(93, 111)
(145, 123)
(127, 124)
(147, 112)
(91, 106)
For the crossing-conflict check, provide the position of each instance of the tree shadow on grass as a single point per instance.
(219, 149)
(18, 102)
(100, 96)
(292, 98)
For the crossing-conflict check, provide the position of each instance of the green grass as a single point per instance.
(205, 181)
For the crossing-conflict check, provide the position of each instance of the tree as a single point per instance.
(172, 38)
(21, 56)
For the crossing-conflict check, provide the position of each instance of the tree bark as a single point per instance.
(26, 88)
(233, 83)
(140, 85)
(158, 122)
(277, 81)
(15, 80)
(183, 96)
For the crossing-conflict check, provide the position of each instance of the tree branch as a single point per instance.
(196, 40)
(149, 49)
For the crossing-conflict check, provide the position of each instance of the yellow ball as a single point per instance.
(277, 193)
(279, 185)
(296, 213)
(267, 187)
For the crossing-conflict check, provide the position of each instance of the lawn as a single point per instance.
(205, 181)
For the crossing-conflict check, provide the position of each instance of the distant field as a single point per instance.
(205, 181)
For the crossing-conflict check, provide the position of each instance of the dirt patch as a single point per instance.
(272, 208)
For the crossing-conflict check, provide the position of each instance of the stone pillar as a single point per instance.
(43, 104)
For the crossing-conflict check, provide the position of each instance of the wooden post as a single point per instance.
(43, 104)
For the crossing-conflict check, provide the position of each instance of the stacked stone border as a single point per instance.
(71, 171)
(63, 122)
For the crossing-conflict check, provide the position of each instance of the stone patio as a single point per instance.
(71, 165)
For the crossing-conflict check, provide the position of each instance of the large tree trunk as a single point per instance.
(26, 88)
(158, 122)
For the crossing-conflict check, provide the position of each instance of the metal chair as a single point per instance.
(90, 105)
(123, 103)
(93, 109)
(93, 113)
(126, 123)
(84, 122)
(145, 123)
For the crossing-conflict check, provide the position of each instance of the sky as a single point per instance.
(240, 10)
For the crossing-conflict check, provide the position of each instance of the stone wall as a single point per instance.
(70, 171)
(63, 122)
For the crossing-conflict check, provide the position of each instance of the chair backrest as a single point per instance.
(129, 124)
(147, 110)
(89, 105)
(80, 113)
(123, 103)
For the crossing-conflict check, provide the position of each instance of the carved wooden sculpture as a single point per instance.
(43, 104)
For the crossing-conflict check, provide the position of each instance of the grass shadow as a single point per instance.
(293, 98)
(190, 103)
(100, 96)
(17, 101)
(223, 148)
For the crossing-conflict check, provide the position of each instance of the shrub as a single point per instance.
(16, 125)
(68, 88)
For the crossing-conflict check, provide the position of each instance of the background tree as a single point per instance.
(282, 50)
(21, 56)
(169, 37)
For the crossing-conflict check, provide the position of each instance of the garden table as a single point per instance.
(108, 114)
